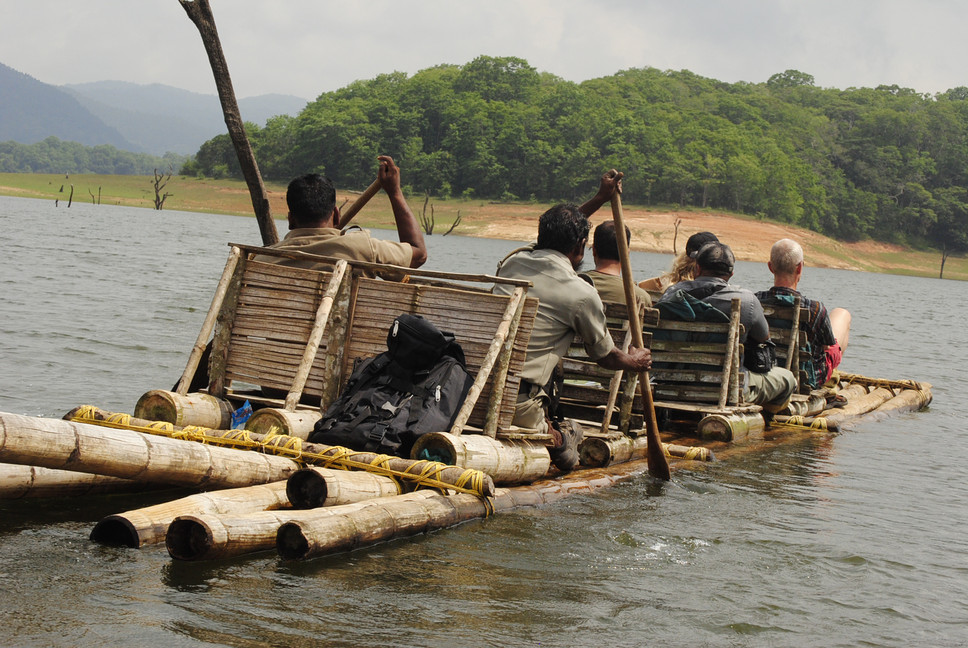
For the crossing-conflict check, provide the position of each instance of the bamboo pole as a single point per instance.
(83, 447)
(149, 525)
(729, 366)
(315, 336)
(200, 13)
(353, 210)
(314, 487)
(24, 481)
(499, 384)
(908, 400)
(506, 462)
(658, 464)
(615, 384)
(493, 351)
(209, 324)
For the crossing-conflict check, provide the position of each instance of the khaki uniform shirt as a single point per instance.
(353, 245)
(611, 288)
(567, 304)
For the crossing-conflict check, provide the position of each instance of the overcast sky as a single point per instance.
(306, 47)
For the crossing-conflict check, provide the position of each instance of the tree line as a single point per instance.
(886, 162)
(53, 155)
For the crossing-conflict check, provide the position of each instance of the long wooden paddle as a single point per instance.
(658, 464)
(352, 210)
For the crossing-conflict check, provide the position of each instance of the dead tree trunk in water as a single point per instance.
(200, 13)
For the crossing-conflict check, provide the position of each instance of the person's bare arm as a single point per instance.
(637, 360)
(407, 228)
(611, 183)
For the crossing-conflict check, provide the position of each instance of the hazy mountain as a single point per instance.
(161, 118)
(154, 118)
(31, 111)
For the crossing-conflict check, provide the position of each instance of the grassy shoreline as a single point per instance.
(653, 230)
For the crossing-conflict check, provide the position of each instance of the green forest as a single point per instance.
(887, 163)
(53, 155)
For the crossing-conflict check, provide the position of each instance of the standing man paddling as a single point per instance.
(567, 304)
(314, 219)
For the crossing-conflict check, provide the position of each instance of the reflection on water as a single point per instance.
(853, 539)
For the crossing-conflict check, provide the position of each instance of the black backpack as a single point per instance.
(416, 386)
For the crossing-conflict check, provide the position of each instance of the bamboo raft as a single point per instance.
(296, 334)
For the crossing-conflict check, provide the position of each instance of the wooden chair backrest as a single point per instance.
(472, 316)
(268, 312)
(264, 327)
(697, 362)
(787, 330)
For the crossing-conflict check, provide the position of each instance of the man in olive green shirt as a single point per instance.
(567, 304)
(314, 218)
(607, 275)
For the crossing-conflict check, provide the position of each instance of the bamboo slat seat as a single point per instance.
(695, 364)
(787, 330)
(589, 390)
(264, 335)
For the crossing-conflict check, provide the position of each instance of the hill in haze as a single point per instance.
(31, 111)
(154, 119)
(161, 118)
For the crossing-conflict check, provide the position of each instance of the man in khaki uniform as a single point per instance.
(567, 304)
(607, 275)
(314, 218)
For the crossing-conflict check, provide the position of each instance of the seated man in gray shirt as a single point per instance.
(715, 262)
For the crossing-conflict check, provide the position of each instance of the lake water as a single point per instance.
(853, 539)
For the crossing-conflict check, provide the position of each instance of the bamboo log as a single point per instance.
(82, 447)
(815, 422)
(314, 487)
(599, 452)
(507, 462)
(23, 481)
(908, 400)
(396, 517)
(859, 405)
(811, 406)
(203, 410)
(204, 537)
(149, 525)
(729, 427)
(273, 420)
(427, 473)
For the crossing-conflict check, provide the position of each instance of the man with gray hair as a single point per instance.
(827, 333)
(768, 386)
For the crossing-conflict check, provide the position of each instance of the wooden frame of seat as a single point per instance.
(300, 331)
(787, 331)
(597, 396)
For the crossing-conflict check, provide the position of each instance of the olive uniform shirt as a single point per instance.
(567, 304)
(353, 244)
(611, 288)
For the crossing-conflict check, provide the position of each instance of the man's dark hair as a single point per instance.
(561, 228)
(605, 244)
(311, 199)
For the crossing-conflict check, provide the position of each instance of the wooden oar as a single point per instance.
(352, 210)
(658, 464)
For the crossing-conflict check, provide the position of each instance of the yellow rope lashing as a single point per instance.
(424, 473)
